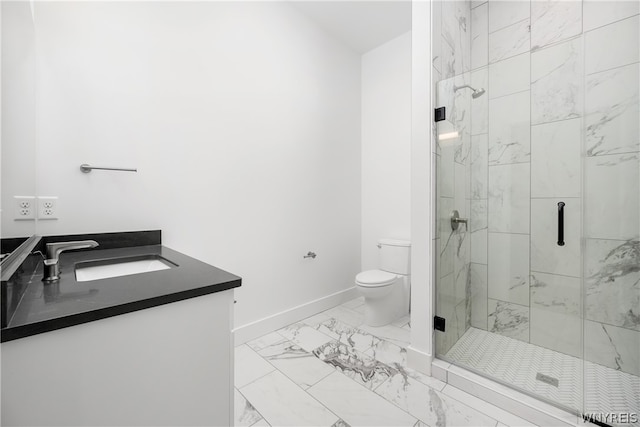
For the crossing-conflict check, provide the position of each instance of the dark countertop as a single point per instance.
(45, 307)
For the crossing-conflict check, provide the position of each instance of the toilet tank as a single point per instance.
(395, 256)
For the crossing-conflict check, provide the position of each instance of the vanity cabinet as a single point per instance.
(167, 365)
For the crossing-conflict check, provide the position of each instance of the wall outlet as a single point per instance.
(47, 207)
(25, 208)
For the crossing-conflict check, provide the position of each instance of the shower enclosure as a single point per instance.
(539, 152)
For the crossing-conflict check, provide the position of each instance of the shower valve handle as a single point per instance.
(456, 220)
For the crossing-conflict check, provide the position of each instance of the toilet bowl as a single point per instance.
(384, 299)
(386, 291)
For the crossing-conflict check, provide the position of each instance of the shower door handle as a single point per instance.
(560, 223)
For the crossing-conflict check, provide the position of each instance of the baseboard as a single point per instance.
(419, 360)
(276, 321)
(440, 369)
(524, 406)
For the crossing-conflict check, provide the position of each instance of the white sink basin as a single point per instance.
(119, 267)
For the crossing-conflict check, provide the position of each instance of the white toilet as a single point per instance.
(386, 291)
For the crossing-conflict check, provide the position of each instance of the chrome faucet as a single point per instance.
(51, 265)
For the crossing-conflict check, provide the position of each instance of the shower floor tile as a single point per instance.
(522, 365)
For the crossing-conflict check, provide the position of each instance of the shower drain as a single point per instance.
(547, 379)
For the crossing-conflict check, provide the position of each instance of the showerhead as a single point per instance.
(476, 92)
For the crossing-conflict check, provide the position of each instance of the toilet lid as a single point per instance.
(374, 278)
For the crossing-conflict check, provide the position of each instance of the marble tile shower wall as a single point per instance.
(562, 84)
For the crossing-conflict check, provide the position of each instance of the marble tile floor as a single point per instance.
(331, 370)
(516, 362)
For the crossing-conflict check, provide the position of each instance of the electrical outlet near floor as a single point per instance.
(25, 207)
(47, 207)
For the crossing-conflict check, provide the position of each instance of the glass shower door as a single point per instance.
(508, 280)
(539, 152)
(454, 210)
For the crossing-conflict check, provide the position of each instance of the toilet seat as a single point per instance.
(375, 278)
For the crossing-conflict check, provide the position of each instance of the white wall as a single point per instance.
(386, 145)
(423, 189)
(243, 120)
(18, 114)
